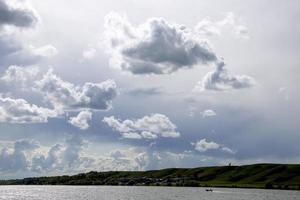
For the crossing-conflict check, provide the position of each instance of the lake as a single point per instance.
(139, 193)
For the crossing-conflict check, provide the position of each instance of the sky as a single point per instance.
(140, 85)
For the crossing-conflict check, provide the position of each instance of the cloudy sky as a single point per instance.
(138, 85)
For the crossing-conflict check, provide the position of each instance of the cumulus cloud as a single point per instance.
(62, 94)
(23, 77)
(73, 147)
(160, 47)
(140, 159)
(20, 111)
(203, 145)
(208, 113)
(148, 127)
(63, 157)
(220, 80)
(71, 156)
(48, 162)
(16, 16)
(121, 160)
(155, 47)
(65, 95)
(29, 157)
(81, 120)
(16, 160)
(207, 27)
(152, 159)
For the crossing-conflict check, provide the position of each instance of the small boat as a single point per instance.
(208, 190)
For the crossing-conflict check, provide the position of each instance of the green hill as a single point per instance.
(279, 176)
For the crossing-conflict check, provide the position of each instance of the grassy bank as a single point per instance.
(277, 176)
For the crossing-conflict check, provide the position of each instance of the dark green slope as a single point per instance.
(280, 176)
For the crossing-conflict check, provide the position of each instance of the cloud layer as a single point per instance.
(153, 49)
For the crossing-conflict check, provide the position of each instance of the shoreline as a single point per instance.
(257, 176)
(153, 186)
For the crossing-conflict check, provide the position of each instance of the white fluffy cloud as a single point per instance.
(155, 47)
(203, 146)
(44, 51)
(20, 111)
(81, 120)
(63, 94)
(148, 127)
(220, 80)
(207, 27)
(208, 113)
(22, 77)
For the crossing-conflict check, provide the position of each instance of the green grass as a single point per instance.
(278, 176)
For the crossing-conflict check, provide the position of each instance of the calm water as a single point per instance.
(138, 193)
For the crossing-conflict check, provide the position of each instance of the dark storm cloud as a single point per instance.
(16, 16)
(160, 47)
(155, 47)
(12, 49)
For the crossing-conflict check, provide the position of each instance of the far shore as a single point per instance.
(256, 176)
